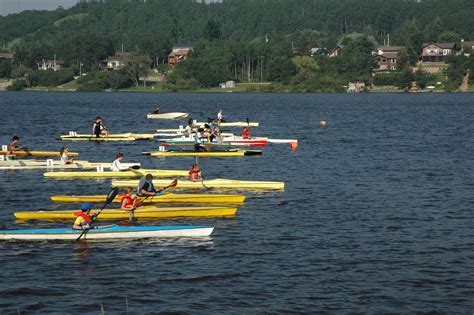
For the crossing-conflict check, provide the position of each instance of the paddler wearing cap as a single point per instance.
(146, 187)
(83, 220)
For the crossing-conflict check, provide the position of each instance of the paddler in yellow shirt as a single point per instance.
(83, 220)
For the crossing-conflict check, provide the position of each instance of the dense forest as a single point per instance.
(244, 40)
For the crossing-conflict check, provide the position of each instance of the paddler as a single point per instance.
(83, 220)
(195, 173)
(198, 147)
(128, 202)
(99, 129)
(220, 117)
(245, 133)
(146, 187)
(117, 166)
(189, 128)
(156, 111)
(63, 155)
(12, 147)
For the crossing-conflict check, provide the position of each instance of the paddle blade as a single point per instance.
(111, 195)
(135, 167)
(174, 183)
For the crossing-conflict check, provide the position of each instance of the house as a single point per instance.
(55, 65)
(436, 52)
(227, 85)
(178, 54)
(336, 51)
(467, 46)
(115, 62)
(5, 56)
(387, 57)
(355, 87)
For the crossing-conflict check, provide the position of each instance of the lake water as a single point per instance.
(376, 217)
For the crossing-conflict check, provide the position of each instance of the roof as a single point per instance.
(179, 52)
(466, 43)
(6, 56)
(390, 55)
(119, 56)
(58, 62)
(390, 48)
(440, 45)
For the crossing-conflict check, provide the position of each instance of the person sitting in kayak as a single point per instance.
(99, 129)
(198, 146)
(127, 202)
(195, 173)
(156, 111)
(245, 133)
(83, 220)
(12, 147)
(189, 128)
(63, 155)
(117, 166)
(220, 117)
(146, 187)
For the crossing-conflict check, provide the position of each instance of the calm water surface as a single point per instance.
(377, 215)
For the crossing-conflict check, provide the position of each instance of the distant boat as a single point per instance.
(175, 115)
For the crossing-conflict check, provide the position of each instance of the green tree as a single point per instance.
(449, 37)
(212, 30)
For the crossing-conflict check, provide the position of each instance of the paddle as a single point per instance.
(110, 197)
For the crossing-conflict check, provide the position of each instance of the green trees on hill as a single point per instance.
(282, 41)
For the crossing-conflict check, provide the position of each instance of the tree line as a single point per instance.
(242, 40)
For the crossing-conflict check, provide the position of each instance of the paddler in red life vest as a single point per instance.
(195, 173)
(246, 133)
(127, 201)
(83, 220)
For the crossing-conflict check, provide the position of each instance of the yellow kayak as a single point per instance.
(117, 174)
(39, 153)
(211, 183)
(147, 212)
(166, 198)
(191, 153)
(94, 138)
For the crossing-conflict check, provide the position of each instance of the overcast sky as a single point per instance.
(15, 6)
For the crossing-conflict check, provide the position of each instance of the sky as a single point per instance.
(15, 6)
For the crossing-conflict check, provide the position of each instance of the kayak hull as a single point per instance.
(166, 198)
(205, 154)
(43, 164)
(39, 153)
(173, 115)
(211, 183)
(147, 212)
(111, 137)
(117, 174)
(110, 232)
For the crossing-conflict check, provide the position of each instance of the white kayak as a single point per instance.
(175, 115)
(107, 232)
(55, 164)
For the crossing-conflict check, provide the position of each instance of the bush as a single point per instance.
(390, 78)
(51, 78)
(102, 80)
(18, 85)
